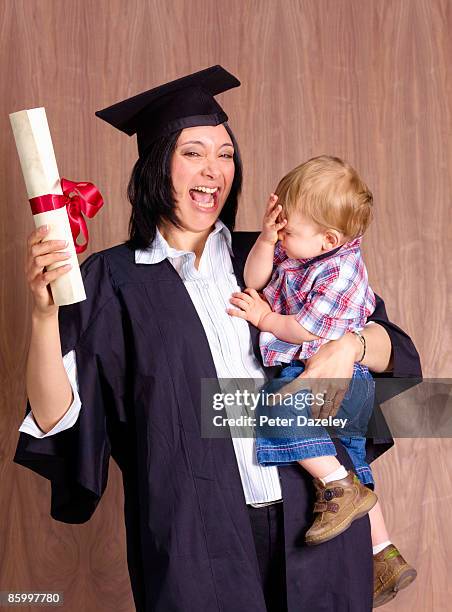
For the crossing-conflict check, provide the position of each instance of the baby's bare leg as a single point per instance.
(319, 467)
(378, 525)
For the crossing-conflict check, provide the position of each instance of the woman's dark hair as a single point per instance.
(150, 191)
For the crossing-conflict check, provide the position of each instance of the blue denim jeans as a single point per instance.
(294, 443)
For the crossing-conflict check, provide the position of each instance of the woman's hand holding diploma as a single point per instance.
(41, 253)
(48, 387)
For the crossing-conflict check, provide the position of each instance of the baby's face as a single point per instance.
(301, 238)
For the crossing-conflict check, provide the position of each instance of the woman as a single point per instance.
(207, 527)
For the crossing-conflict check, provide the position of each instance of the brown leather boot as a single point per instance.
(391, 573)
(352, 500)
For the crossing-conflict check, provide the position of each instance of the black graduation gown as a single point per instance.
(141, 351)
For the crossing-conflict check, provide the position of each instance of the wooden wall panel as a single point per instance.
(367, 80)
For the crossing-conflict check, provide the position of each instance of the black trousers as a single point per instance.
(268, 531)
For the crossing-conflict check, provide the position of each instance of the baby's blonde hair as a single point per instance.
(330, 192)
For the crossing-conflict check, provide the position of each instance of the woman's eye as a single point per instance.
(227, 155)
(191, 154)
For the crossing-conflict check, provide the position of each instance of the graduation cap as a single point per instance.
(185, 102)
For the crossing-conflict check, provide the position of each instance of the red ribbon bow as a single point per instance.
(78, 198)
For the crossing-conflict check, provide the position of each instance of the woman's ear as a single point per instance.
(331, 240)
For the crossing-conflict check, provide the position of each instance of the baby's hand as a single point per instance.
(250, 306)
(270, 227)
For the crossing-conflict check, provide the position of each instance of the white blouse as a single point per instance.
(210, 288)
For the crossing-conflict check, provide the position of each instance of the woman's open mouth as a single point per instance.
(205, 198)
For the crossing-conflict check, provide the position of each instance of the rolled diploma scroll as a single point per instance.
(39, 167)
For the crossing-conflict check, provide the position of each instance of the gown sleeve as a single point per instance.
(406, 372)
(406, 361)
(76, 459)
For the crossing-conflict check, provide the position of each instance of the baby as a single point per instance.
(308, 262)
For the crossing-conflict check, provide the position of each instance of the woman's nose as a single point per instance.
(211, 168)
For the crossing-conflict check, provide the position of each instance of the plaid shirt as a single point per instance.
(329, 295)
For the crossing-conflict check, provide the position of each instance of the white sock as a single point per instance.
(379, 547)
(341, 472)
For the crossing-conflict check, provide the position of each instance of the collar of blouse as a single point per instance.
(160, 249)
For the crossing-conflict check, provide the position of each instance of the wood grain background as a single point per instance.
(368, 80)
